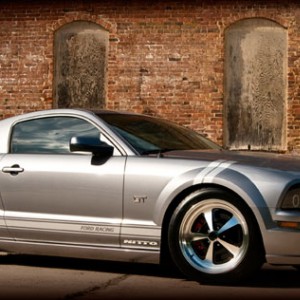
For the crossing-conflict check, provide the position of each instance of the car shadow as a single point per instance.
(267, 277)
(275, 277)
(90, 265)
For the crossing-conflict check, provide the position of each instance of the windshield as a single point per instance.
(152, 135)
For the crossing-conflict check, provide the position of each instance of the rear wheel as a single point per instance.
(213, 237)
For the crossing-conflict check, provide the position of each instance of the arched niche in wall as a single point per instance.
(80, 51)
(255, 85)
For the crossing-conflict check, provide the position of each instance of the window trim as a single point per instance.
(103, 135)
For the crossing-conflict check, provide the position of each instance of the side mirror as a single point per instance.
(101, 150)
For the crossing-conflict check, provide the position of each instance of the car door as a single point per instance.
(54, 196)
(4, 234)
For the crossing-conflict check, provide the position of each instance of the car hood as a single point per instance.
(283, 162)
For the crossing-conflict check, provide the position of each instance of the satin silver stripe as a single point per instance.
(2, 222)
(130, 222)
(52, 226)
(142, 232)
(201, 175)
(50, 222)
(210, 177)
(11, 215)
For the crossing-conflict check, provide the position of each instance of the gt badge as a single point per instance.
(139, 199)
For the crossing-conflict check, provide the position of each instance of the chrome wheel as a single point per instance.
(213, 236)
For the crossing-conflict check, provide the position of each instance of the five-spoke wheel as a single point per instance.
(213, 237)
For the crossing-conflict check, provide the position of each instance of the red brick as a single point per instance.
(165, 57)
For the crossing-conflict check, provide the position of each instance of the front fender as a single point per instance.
(177, 185)
(222, 176)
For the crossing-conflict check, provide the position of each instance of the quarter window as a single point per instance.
(49, 135)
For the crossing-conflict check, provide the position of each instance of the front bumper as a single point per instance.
(282, 246)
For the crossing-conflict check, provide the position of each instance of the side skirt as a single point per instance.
(82, 251)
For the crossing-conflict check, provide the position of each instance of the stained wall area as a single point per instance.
(255, 85)
(165, 58)
(80, 53)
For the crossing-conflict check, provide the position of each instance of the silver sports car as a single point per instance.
(121, 186)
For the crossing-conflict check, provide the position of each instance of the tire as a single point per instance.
(213, 238)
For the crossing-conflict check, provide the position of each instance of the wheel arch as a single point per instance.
(179, 198)
(228, 180)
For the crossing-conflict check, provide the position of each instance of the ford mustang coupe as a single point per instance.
(128, 187)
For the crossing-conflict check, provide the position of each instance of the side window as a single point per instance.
(49, 135)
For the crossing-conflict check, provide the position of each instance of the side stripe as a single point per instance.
(201, 175)
(214, 173)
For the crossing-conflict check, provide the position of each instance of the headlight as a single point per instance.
(291, 199)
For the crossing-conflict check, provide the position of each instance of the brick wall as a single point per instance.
(166, 58)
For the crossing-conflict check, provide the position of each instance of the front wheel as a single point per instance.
(213, 237)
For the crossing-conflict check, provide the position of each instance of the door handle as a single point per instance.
(13, 170)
